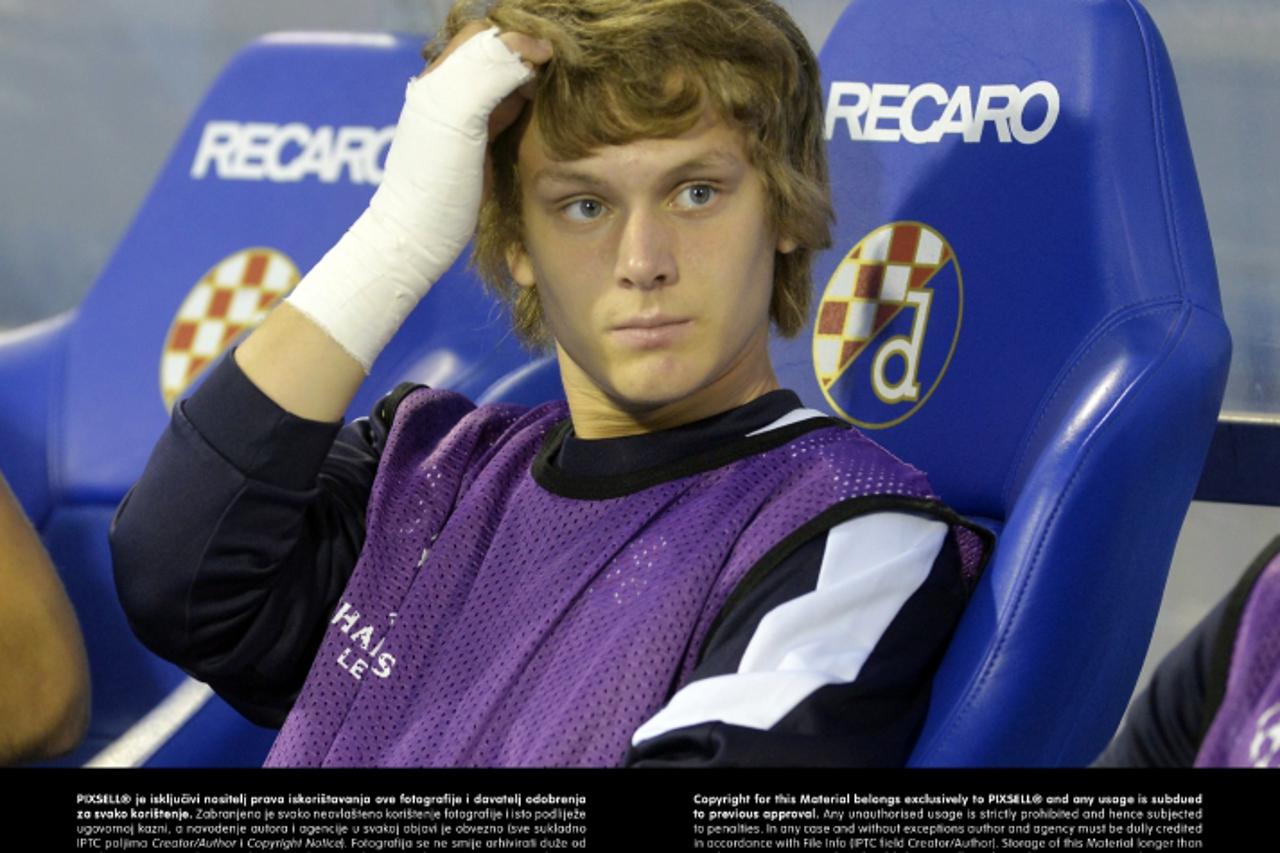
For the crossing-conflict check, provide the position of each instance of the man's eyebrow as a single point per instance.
(716, 159)
(566, 175)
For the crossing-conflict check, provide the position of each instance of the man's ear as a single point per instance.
(520, 267)
(786, 245)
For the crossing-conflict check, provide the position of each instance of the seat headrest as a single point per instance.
(1010, 181)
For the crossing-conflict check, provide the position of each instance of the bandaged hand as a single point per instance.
(425, 209)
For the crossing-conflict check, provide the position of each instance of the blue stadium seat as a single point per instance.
(277, 161)
(1022, 300)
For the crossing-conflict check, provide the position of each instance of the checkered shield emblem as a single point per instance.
(875, 313)
(231, 298)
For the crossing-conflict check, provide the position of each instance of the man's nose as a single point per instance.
(646, 251)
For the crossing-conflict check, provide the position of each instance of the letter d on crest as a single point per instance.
(907, 349)
(888, 324)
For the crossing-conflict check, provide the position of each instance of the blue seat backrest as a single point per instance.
(280, 157)
(1031, 315)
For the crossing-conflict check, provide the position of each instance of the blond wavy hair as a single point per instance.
(650, 69)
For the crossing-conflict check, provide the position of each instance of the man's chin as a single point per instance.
(643, 405)
(660, 400)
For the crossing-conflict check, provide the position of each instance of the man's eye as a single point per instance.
(583, 210)
(695, 196)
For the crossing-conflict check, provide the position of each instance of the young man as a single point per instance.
(680, 565)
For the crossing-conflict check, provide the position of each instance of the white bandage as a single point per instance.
(425, 210)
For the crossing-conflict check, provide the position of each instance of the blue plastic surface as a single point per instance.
(1087, 353)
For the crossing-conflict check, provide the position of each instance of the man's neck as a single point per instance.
(596, 414)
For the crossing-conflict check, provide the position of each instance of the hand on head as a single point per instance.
(533, 52)
(425, 210)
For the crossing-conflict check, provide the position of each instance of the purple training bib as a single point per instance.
(492, 621)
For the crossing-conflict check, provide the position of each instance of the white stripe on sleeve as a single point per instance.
(871, 566)
(794, 416)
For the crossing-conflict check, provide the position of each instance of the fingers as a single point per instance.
(533, 51)
(506, 113)
(528, 90)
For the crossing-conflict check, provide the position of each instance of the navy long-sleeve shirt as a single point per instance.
(235, 545)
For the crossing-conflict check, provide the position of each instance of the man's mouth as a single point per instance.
(651, 331)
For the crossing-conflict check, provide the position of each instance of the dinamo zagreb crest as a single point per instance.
(888, 324)
(228, 300)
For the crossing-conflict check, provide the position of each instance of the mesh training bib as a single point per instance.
(1246, 730)
(500, 616)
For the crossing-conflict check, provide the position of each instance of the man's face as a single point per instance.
(654, 267)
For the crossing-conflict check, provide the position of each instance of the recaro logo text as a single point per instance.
(891, 112)
(259, 151)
